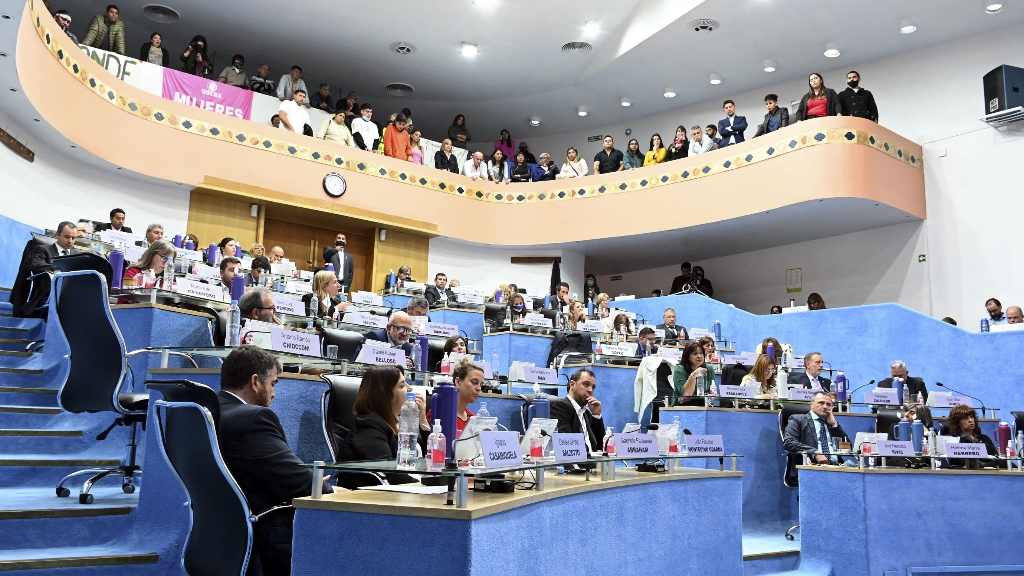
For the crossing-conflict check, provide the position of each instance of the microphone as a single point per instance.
(962, 394)
(858, 388)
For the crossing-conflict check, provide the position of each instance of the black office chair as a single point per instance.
(886, 418)
(792, 460)
(85, 261)
(551, 314)
(337, 410)
(733, 375)
(1019, 419)
(97, 365)
(347, 341)
(435, 353)
(569, 343)
(188, 391)
(494, 314)
(220, 537)
(29, 292)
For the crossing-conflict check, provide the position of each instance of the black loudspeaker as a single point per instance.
(1003, 89)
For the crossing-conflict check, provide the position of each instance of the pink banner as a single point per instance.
(207, 94)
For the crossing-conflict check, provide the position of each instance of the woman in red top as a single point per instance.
(154, 258)
(819, 100)
(468, 379)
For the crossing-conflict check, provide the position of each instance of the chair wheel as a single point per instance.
(85, 498)
(128, 488)
(790, 537)
(63, 492)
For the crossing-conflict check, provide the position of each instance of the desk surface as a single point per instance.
(160, 307)
(486, 503)
(940, 472)
(776, 411)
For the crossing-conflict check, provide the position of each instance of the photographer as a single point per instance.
(195, 58)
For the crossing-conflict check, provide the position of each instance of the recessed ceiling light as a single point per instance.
(907, 27)
(8, 17)
(590, 28)
(73, 146)
(486, 4)
(992, 7)
(625, 102)
(831, 50)
(670, 93)
(37, 119)
(534, 121)
(770, 65)
(470, 49)
(13, 89)
(581, 111)
(119, 168)
(716, 78)
(3, 54)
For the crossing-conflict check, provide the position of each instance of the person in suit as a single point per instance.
(256, 453)
(813, 433)
(258, 304)
(396, 333)
(116, 222)
(438, 293)
(682, 280)
(572, 412)
(27, 296)
(341, 260)
(644, 340)
(775, 118)
(672, 330)
(732, 126)
(915, 386)
(811, 376)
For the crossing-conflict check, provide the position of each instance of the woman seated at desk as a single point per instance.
(469, 379)
(762, 378)
(708, 344)
(601, 302)
(690, 375)
(577, 313)
(517, 305)
(154, 258)
(620, 325)
(374, 435)
(324, 301)
(456, 344)
(226, 248)
(963, 423)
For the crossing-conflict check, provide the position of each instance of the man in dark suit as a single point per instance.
(682, 280)
(645, 342)
(438, 292)
(672, 330)
(813, 433)
(775, 118)
(341, 260)
(396, 333)
(732, 127)
(37, 258)
(915, 386)
(404, 275)
(811, 376)
(571, 410)
(116, 222)
(257, 454)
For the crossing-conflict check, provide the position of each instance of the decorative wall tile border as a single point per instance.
(426, 177)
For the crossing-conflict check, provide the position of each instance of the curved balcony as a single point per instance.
(839, 168)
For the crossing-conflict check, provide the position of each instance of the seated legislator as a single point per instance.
(154, 258)
(417, 306)
(396, 333)
(375, 434)
(672, 330)
(915, 386)
(256, 453)
(258, 304)
(517, 304)
(620, 325)
(227, 248)
(811, 376)
(276, 255)
(439, 294)
(324, 300)
(469, 379)
(577, 313)
(601, 303)
(229, 268)
(814, 433)
(154, 232)
(116, 224)
(404, 274)
(691, 375)
(762, 378)
(259, 274)
(708, 344)
(963, 423)
(37, 260)
(912, 413)
(762, 348)
(578, 411)
(645, 343)
(456, 344)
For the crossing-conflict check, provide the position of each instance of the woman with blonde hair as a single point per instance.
(257, 250)
(325, 299)
(154, 258)
(444, 159)
(577, 313)
(762, 378)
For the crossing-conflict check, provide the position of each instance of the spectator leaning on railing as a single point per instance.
(233, 75)
(64, 21)
(106, 27)
(154, 51)
(261, 83)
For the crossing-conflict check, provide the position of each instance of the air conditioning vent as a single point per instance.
(577, 47)
(160, 14)
(704, 26)
(403, 48)
(398, 89)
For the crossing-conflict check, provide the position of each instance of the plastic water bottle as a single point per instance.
(437, 448)
(673, 443)
(926, 446)
(417, 353)
(683, 450)
(168, 280)
(234, 324)
(495, 364)
(536, 446)
(408, 432)
(446, 364)
(718, 331)
(508, 315)
(590, 308)
(984, 324)
(609, 441)
(1020, 441)
(483, 412)
(897, 383)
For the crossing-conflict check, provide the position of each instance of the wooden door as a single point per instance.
(304, 244)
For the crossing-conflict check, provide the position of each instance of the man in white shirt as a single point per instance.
(699, 144)
(364, 131)
(293, 116)
(334, 130)
(579, 411)
(476, 169)
(276, 255)
(290, 84)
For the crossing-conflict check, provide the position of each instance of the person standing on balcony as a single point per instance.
(106, 32)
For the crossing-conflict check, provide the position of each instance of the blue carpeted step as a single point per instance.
(26, 323)
(20, 396)
(80, 561)
(5, 295)
(763, 563)
(13, 344)
(9, 359)
(46, 470)
(27, 416)
(28, 332)
(35, 517)
(14, 441)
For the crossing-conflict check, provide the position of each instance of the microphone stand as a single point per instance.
(849, 399)
(993, 410)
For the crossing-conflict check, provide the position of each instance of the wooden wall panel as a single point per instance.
(300, 241)
(398, 249)
(213, 218)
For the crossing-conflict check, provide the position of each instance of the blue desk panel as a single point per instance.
(899, 521)
(614, 388)
(472, 323)
(633, 529)
(155, 326)
(517, 346)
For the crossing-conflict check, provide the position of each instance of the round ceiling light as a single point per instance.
(831, 50)
(590, 28)
(992, 7)
(576, 47)
(704, 25)
(670, 93)
(160, 14)
(486, 4)
(535, 121)
(625, 102)
(581, 111)
(770, 65)
(469, 50)
(907, 27)
(716, 78)
(403, 48)
(398, 89)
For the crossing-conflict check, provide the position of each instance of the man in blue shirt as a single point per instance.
(995, 312)
(814, 434)
(775, 118)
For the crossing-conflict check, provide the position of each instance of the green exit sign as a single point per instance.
(614, 278)
(597, 138)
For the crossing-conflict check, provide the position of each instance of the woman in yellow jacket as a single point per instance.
(657, 153)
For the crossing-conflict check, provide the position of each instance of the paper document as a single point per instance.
(408, 488)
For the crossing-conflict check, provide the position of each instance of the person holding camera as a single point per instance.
(196, 61)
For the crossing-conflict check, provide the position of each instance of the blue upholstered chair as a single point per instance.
(788, 410)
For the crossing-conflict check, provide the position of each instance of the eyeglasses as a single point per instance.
(164, 258)
(401, 329)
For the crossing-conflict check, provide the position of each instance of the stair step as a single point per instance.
(51, 461)
(15, 354)
(31, 432)
(30, 371)
(56, 558)
(12, 329)
(29, 409)
(28, 471)
(14, 344)
(23, 396)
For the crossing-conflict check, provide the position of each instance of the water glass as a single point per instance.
(332, 351)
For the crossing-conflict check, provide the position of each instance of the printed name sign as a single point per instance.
(965, 450)
(698, 333)
(296, 342)
(621, 349)
(540, 375)
(745, 359)
(381, 354)
(894, 448)
(537, 320)
(501, 449)
(943, 401)
(285, 305)
(414, 286)
(569, 447)
(636, 445)
(886, 397)
(672, 353)
(299, 287)
(726, 391)
(199, 289)
(804, 394)
(471, 298)
(367, 298)
(366, 319)
(113, 237)
(436, 329)
(705, 445)
(590, 326)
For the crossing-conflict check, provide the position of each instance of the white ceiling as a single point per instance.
(643, 46)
